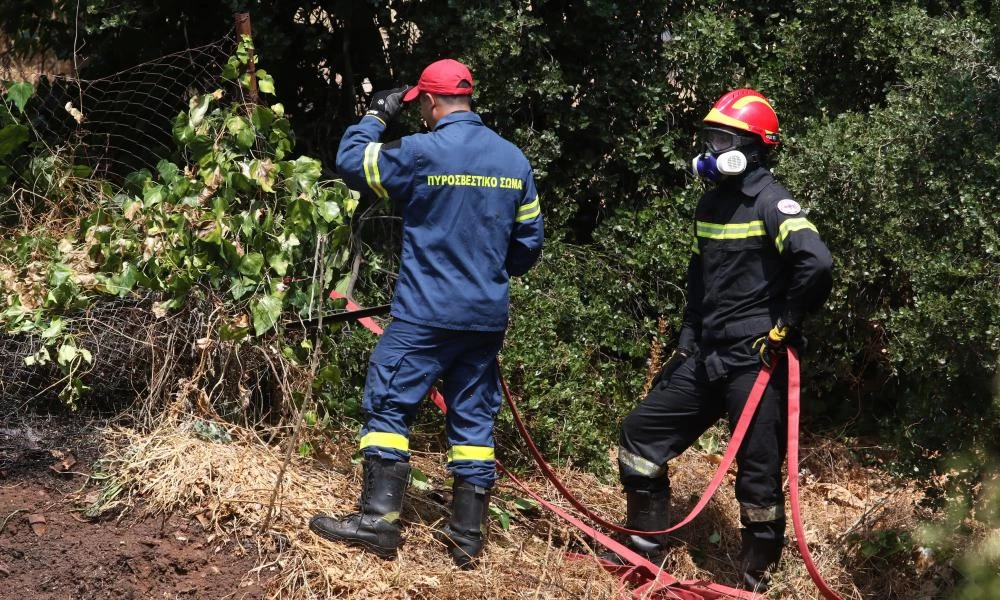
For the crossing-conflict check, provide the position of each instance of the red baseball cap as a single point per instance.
(446, 77)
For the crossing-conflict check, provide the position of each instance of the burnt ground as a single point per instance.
(50, 549)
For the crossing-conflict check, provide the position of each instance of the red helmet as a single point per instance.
(748, 110)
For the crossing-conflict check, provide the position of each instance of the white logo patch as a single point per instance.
(789, 207)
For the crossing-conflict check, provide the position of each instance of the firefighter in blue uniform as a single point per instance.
(471, 220)
(758, 266)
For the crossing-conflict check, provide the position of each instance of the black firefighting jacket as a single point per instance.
(756, 257)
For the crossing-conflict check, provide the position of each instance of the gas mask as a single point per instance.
(714, 168)
(722, 156)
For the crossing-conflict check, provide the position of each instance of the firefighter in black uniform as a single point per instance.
(758, 266)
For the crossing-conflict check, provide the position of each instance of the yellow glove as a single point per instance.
(772, 345)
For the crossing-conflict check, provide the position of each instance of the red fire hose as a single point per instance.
(649, 579)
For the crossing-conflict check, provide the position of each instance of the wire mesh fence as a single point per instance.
(118, 124)
(140, 354)
(127, 342)
(114, 126)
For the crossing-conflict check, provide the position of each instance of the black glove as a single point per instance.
(386, 104)
(772, 345)
(676, 359)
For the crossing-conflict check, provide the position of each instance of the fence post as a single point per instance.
(243, 29)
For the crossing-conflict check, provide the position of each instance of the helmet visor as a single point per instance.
(717, 140)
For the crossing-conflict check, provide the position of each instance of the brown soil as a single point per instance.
(48, 549)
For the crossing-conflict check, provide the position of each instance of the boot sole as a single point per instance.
(380, 551)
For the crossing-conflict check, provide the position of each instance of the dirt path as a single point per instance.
(48, 550)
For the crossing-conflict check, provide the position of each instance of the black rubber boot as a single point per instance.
(376, 527)
(645, 511)
(465, 531)
(757, 558)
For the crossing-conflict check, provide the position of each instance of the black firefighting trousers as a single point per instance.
(677, 411)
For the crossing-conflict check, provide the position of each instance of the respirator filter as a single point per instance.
(712, 168)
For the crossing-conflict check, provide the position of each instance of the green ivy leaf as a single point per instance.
(123, 282)
(38, 358)
(242, 130)
(199, 108)
(59, 274)
(81, 171)
(265, 83)
(265, 313)
(262, 117)
(243, 49)
(525, 504)
(183, 131)
(329, 374)
(251, 264)
(169, 172)
(505, 520)
(19, 93)
(152, 196)
(53, 330)
(66, 354)
(329, 210)
(305, 449)
(231, 69)
(306, 171)
(240, 286)
(279, 262)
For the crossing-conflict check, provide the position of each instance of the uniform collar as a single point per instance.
(455, 117)
(755, 181)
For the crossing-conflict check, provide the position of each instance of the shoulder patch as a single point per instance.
(392, 144)
(789, 207)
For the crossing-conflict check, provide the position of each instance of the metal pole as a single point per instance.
(243, 29)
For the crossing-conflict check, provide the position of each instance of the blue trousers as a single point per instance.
(406, 362)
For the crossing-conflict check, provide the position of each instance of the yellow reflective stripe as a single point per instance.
(761, 514)
(385, 440)
(716, 116)
(471, 453)
(788, 227)
(529, 211)
(640, 465)
(749, 100)
(527, 208)
(731, 231)
(372, 175)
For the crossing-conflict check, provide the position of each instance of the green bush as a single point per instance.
(906, 196)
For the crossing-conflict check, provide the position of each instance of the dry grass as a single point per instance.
(227, 487)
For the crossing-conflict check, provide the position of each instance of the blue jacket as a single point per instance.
(471, 217)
